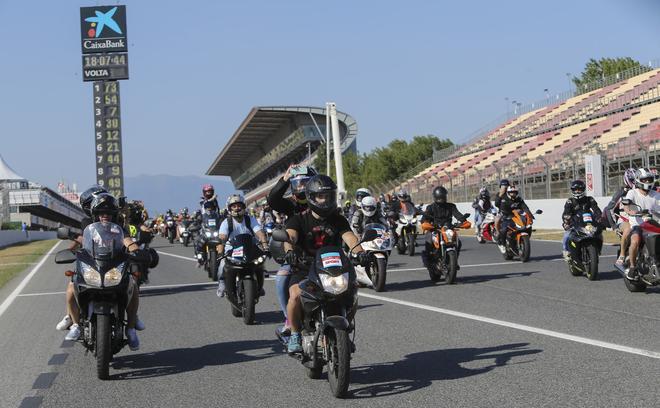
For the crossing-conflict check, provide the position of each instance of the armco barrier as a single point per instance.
(13, 236)
(552, 210)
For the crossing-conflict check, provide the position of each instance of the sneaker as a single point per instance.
(294, 345)
(362, 277)
(74, 333)
(502, 248)
(65, 323)
(566, 255)
(133, 341)
(139, 325)
(221, 288)
(631, 273)
(620, 260)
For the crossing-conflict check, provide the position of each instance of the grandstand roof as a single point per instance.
(260, 124)
(6, 172)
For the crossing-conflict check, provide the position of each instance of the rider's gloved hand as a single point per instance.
(290, 258)
(361, 258)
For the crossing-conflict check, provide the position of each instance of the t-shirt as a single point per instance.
(650, 202)
(239, 228)
(314, 233)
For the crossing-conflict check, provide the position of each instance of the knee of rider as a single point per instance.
(634, 239)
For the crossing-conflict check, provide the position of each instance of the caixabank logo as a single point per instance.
(103, 29)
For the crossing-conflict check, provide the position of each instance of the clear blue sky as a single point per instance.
(197, 67)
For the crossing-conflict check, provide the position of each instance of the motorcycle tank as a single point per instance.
(243, 248)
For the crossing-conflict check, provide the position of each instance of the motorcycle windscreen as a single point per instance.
(331, 260)
(243, 247)
(103, 239)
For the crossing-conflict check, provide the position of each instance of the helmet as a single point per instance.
(299, 182)
(512, 191)
(577, 188)
(629, 178)
(135, 214)
(360, 194)
(403, 195)
(184, 211)
(321, 194)
(208, 191)
(104, 203)
(381, 197)
(236, 199)
(87, 197)
(504, 182)
(369, 206)
(644, 179)
(483, 193)
(440, 195)
(347, 203)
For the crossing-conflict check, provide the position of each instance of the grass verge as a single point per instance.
(16, 258)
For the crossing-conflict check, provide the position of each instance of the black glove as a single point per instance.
(290, 258)
(362, 258)
(265, 249)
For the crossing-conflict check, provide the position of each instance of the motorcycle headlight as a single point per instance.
(334, 284)
(91, 275)
(215, 233)
(208, 234)
(260, 260)
(113, 276)
(450, 234)
(169, 223)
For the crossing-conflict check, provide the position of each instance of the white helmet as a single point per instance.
(369, 206)
(360, 194)
(644, 179)
(233, 199)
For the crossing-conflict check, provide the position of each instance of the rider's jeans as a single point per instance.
(478, 219)
(564, 241)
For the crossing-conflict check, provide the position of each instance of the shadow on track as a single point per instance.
(486, 278)
(419, 370)
(183, 360)
(146, 292)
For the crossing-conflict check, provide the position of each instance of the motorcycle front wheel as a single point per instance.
(185, 241)
(411, 244)
(379, 273)
(339, 364)
(213, 265)
(452, 267)
(590, 262)
(249, 292)
(103, 346)
(525, 248)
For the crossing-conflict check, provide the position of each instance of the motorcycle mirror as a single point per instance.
(280, 236)
(65, 256)
(626, 201)
(466, 215)
(539, 211)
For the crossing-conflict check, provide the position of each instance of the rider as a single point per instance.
(575, 206)
(208, 194)
(238, 223)
(322, 226)
(210, 213)
(646, 198)
(288, 208)
(504, 184)
(360, 193)
(614, 206)
(509, 202)
(440, 214)
(266, 214)
(481, 205)
(367, 214)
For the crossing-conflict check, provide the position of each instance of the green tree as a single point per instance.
(602, 72)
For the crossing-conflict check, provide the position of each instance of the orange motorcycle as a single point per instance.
(441, 259)
(518, 234)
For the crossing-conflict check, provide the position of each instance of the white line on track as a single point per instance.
(522, 327)
(187, 258)
(13, 295)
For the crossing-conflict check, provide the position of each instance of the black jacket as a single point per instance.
(507, 205)
(486, 204)
(440, 215)
(578, 206)
(280, 204)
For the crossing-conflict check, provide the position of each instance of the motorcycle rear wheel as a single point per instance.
(103, 346)
(339, 364)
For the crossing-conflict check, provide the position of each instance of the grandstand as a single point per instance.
(270, 139)
(542, 149)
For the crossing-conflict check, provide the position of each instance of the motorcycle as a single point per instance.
(170, 228)
(328, 295)
(184, 233)
(406, 230)
(648, 256)
(244, 270)
(140, 270)
(209, 230)
(584, 245)
(487, 227)
(379, 250)
(102, 287)
(442, 259)
(518, 236)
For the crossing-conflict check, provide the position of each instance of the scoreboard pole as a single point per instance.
(107, 137)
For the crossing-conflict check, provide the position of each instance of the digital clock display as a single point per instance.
(109, 67)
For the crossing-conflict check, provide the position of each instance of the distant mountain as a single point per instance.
(161, 192)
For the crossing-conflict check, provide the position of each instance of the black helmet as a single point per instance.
(135, 214)
(504, 182)
(87, 197)
(484, 193)
(578, 188)
(440, 195)
(321, 194)
(104, 203)
(299, 181)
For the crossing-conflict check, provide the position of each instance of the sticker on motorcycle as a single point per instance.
(331, 260)
(211, 223)
(237, 252)
(586, 217)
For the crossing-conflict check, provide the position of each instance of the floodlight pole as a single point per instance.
(339, 165)
(327, 140)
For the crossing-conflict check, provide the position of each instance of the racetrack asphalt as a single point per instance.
(507, 334)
